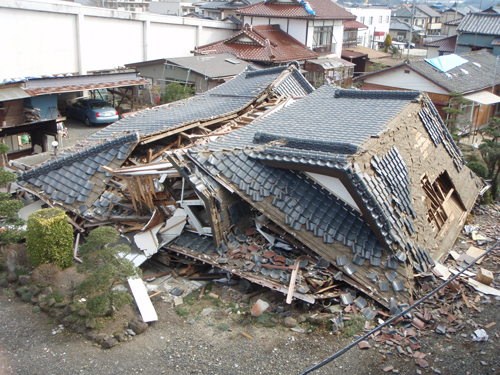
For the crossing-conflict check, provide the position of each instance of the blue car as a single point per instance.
(92, 111)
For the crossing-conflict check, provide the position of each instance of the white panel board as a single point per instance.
(142, 300)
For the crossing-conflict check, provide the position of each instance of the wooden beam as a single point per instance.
(169, 133)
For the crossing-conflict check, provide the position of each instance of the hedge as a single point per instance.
(49, 238)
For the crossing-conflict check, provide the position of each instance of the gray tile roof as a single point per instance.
(428, 10)
(479, 72)
(480, 23)
(222, 100)
(323, 127)
(304, 202)
(407, 13)
(473, 76)
(77, 179)
(213, 66)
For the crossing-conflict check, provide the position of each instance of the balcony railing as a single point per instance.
(349, 43)
(324, 48)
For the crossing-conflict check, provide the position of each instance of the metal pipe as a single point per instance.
(347, 348)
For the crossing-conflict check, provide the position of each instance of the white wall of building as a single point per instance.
(52, 37)
(335, 186)
(363, 15)
(409, 80)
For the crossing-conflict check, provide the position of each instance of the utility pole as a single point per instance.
(411, 31)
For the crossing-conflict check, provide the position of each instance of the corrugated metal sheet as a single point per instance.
(12, 93)
(481, 23)
(483, 97)
(80, 83)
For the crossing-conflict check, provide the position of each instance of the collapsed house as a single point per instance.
(298, 190)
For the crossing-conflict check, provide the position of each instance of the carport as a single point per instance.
(31, 108)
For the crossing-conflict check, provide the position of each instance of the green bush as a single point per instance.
(478, 168)
(49, 238)
(98, 304)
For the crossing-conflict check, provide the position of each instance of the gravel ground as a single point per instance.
(172, 346)
(78, 131)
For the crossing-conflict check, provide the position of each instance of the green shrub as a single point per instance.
(57, 296)
(49, 238)
(98, 304)
(487, 198)
(478, 168)
(104, 267)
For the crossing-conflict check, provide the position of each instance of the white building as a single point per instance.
(377, 19)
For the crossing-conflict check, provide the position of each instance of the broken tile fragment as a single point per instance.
(364, 345)
(388, 368)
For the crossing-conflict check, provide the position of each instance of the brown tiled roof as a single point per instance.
(454, 22)
(445, 45)
(324, 9)
(346, 54)
(372, 54)
(353, 24)
(269, 44)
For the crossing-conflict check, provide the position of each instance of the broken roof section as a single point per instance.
(76, 178)
(365, 195)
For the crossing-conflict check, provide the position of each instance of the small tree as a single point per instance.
(49, 238)
(387, 42)
(175, 91)
(104, 267)
(454, 110)
(490, 151)
(11, 229)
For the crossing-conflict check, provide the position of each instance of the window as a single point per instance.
(387, 19)
(443, 201)
(407, 71)
(370, 21)
(380, 19)
(362, 19)
(406, 20)
(323, 36)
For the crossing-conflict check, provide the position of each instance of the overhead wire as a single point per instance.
(423, 299)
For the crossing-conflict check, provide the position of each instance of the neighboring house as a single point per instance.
(318, 24)
(479, 30)
(492, 9)
(351, 32)
(441, 47)
(329, 70)
(31, 108)
(433, 26)
(210, 9)
(359, 59)
(454, 12)
(377, 19)
(265, 44)
(171, 7)
(471, 74)
(373, 57)
(127, 5)
(405, 14)
(371, 183)
(400, 30)
(450, 27)
(201, 72)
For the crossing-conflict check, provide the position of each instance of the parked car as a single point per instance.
(92, 111)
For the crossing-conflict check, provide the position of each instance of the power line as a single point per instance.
(347, 348)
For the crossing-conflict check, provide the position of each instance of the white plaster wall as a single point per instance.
(35, 43)
(375, 26)
(44, 37)
(338, 36)
(256, 20)
(297, 29)
(212, 34)
(432, 52)
(280, 21)
(170, 41)
(114, 41)
(398, 78)
(336, 187)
